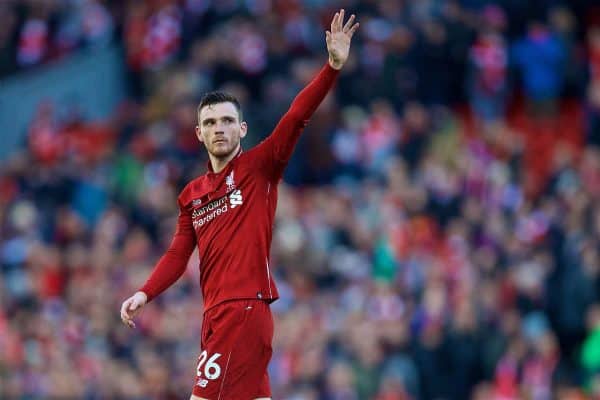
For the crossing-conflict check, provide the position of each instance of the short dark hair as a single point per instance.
(216, 97)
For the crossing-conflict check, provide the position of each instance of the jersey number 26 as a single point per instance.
(212, 370)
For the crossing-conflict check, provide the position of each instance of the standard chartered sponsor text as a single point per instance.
(215, 208)
(209, 207)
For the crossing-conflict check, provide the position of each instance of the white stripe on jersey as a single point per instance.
(269, 278)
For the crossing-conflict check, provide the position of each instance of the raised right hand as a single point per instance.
(339, 38)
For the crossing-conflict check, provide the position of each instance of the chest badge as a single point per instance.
(230, 182)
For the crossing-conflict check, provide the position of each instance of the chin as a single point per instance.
(222, 153)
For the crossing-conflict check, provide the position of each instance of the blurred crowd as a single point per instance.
(438, 228)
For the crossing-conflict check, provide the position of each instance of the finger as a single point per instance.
(353, 29)
(340, 20)
(129, 323)
(134, 305)
(125, 319)
(349, 23)
(334, 23)
(124, 312)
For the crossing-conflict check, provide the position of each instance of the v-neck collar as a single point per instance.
(210, 168)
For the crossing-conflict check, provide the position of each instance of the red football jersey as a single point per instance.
(229, 215)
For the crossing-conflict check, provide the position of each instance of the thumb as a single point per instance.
(327, 36)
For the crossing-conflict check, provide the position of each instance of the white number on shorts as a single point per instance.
(212, 370)
(211, 365)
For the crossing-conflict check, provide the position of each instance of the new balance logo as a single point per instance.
(235, 198)
(202, 383)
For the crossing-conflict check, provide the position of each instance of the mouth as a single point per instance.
(218, 141)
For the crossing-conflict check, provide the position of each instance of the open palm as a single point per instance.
(339, 38)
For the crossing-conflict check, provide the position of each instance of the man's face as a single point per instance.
(220, 129)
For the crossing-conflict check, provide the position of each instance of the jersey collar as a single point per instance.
(209, 167)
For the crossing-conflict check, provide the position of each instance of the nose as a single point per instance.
(219, 128)
(220, 124)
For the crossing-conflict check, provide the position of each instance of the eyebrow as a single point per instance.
(224, 117)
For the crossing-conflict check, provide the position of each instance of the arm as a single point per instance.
(278, 147)
(174, 262)
(168, 269)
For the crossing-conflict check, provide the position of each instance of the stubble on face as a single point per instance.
(220, 129)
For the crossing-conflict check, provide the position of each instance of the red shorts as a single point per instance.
(235, 351)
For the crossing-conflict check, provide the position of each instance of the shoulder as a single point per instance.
(248, 159)
(192, 190)
(257, 152)
(251, 164)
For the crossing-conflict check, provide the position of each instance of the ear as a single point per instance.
(199, 134)
(243, 129)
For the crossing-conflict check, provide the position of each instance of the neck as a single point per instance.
(219, 163)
